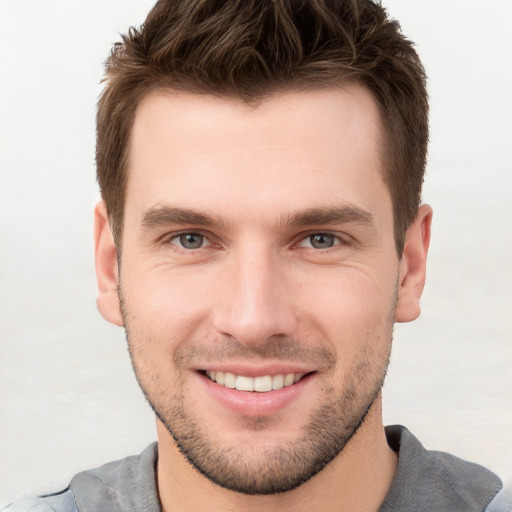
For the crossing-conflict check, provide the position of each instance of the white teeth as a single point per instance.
(278, 381)
(260, 384)
(230, 380)
(288, 379)
(244, 383)
(263, 384)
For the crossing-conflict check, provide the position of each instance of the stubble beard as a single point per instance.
(257, 470)
(260, 470)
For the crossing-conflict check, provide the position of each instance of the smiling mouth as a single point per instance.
(262, 384)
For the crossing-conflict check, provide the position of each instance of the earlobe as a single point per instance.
(413, 266)
(106, 267)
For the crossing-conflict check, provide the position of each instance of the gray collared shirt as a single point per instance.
(425, 481)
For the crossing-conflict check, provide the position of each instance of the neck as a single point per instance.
(357, 479)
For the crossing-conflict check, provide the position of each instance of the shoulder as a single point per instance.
(431, 480)
(502, 502)
(126, 485)
(59, 502)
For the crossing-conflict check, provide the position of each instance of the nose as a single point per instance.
(253, 304)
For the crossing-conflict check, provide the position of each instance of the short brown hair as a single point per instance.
(253, 48)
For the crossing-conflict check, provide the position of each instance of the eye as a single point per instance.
(191, 241)
(320, 241)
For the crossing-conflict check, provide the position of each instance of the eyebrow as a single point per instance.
(333, 215)
(166, 215)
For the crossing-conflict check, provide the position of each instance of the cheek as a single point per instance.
(165, 302)
(348, 296)
(352, 312)
(162, 312)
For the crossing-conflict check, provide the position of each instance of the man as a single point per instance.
(260, 233)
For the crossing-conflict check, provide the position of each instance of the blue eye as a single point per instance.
(320, 241)
(191, 240)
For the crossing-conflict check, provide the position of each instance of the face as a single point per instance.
(259, 278)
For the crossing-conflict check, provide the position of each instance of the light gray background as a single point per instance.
(68, 398)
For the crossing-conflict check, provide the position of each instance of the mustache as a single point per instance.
(279, 349)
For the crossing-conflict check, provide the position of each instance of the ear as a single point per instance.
(107, 271)
(413, 266)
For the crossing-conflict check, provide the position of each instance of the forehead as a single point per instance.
(309, 115)
(289, 150)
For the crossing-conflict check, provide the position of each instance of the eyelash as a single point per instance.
(168, 240)
(337, 240)
(304, 237)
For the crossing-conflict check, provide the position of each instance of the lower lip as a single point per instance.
(253, 403)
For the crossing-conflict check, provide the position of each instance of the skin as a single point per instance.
(258, 294)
